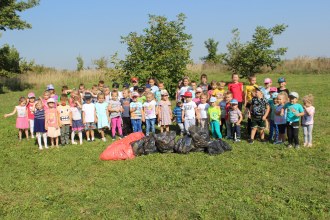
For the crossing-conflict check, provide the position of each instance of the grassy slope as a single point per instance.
(258, 181)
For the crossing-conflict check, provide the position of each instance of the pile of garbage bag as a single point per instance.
(136, 145)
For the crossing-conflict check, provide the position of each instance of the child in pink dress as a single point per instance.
(22, 122)
(52, 122)
(30, 108)
(164, 112)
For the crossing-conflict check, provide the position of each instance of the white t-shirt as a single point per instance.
(76, 113)
(183, 90)
(21, 111)
(150, 109)
(203, 110)
(189, 109)
(89, 110)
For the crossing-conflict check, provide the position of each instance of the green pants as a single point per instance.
(215, 129)
(65, 134)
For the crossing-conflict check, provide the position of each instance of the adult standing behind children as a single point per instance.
(236, 88)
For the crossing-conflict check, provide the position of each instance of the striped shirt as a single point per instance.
(39, 114)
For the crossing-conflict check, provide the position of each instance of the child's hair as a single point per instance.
(203, 76)
(234, 74)
(213, 83)
(39, 103)
(94, 86)
(192, 81)
(64, 88)
(81, 84)
(101, 94)
(229, 93)
(309, 98)
(251, 77)
(284, 95)
(186, 77)
(204, 95)
(22, 99)
(114, 92)
(126, 90)
(150, 94)
(154, 79)
(47, 92)
(64, 97)
(101, 82)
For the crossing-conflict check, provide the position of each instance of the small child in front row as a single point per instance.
(189, 112)
(30, 108)
(308, 119)
(115, 109)
(150, 109)
(202, 112)
(102, 116)
(125, 115)
(177, 112)
(136, 113)
(52, 122)
(89, 116)
(280, 120)
(214, 113)
(77, 123)
(273, 128)
(235, 118)
(65, 115)
(164, 112)
(22, 122)
(39, 124)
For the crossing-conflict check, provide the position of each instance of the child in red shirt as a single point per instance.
(236, 88)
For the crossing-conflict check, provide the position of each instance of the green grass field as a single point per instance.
(262, 181)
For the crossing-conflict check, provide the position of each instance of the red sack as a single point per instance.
(133, 137)
(118, 151)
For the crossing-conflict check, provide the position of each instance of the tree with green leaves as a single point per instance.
(162, 51)
(9, 61)
(248, 58)
(212, 48)
(9, 17)
(80, 63)
(101, 63)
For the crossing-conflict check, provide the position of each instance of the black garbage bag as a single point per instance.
(149, 146)
(225, 146)
(137, 146)
(200, 136)
(165, 141)
(184, 145)
(215, 148)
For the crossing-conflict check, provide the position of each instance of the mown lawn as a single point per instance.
(251, 181)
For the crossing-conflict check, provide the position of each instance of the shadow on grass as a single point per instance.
(13, 84)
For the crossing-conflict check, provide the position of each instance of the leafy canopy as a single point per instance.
(212, 48)
(162, 51)
(248, 58)
(9, 18)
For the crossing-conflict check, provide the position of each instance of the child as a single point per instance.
(115, 88)
(39, 124)
(282, 83)
(189, 112)
(177, 112)
(193, 88)
(214, 113)
(273, 129)
(294, 111)
(259, 110)
(213, 88)
(52, 122)
(81, 89)
(204, 85)
(228, 98)
(125, 115)
(142, 97)
(265, 90)
(115, 110)
(100, 86)
(202, 112)
(102, 116)
(308, 119)
(89, 116)
(249, 94)
(66, 91)
(77, 123)
(184, 88)
(164, 112)
(158, 95)
(51, 90)
(222, 105)
(94, 92)
(220, 89)
(235, 118)
(280, 120)
(65, 116)
(153, 85)
(106, 91)
(44, 99)
(30, 108)
(236, 88)
(198, 94)
(22, 122)
(150, 109)
(137, 114)
(147, 89)
(135, 82)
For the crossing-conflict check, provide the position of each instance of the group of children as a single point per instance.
(211, 106)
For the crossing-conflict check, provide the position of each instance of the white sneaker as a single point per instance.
(104, 140)
(40, 148)
(46, 147)
(74, 143)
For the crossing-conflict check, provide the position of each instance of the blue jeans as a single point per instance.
(235, 129)
(150, 124)
(273, 131)
(136, 125)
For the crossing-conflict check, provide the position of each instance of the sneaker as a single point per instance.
(278, 142)
(46, 147)
(263, 140)
(74, 143)
(305, 144)
(121, 137)
(238, 140)
(104, 139)
(297, 146)
(93, 139)
(113, 138)
(40, 148)
(289, 145)
(250, 141)
(88, 140)
(309, 145)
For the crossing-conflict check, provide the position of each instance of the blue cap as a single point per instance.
(274, 95)
(234, 101)
(213, 99)
(148, 86)
(280, 80)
